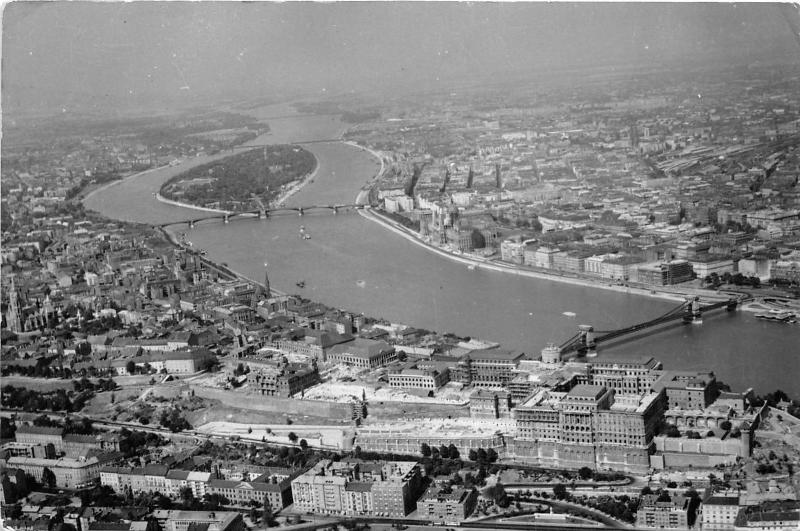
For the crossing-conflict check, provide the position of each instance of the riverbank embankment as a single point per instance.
(278, 200)
(118, 182)
(676, 295)
(372, 215)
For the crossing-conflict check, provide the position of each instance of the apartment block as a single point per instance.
(356, 488)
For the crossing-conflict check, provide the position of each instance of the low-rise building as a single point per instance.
(278, 494)
(624, 375)
(412, 377)
(41, 435)
(769, 516)
(446, 505)
(275, 376)
(688, 390)
(665, 273)
(69, 473)
(664, 514)
(76, 445)
(491, 368)
(177, 480)
(720, 511)
(703, 267)
(177, 362)
(208, 520)
(363, 353)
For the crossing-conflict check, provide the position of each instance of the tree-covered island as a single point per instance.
(242, 181)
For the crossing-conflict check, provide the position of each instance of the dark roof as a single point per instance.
(495, 354)
(78, 438)
(358, 486)
(40, 430)
(108, 526)
(586, 390)
(722, 500)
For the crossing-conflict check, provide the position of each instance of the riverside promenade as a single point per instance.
(674, 293)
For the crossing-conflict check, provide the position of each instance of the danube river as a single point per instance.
(353, 263)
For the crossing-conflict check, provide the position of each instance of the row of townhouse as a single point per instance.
(274, 490)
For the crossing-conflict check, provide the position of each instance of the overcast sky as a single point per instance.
(71, 55)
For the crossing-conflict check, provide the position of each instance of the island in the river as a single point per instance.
(244, 181)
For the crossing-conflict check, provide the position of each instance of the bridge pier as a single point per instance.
(300, 211)
(263, 213)
(335, 210)
(694, 312)
(732, 305)
(191, 224)
(587, 345)
(226, 218)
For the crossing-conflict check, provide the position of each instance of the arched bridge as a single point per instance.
(586, 340)
(262, 213)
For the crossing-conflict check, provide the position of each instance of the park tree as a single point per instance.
(670, 430)
(454, 453)
(303, 444)
(292, 436)
(215, 501)
(481, 455)
(267, 517)
(559, 491)
(425, 450)
(585, 473)
(472, 455)
(187, 497)
(496, 493)
(130, 367)
(48, 478)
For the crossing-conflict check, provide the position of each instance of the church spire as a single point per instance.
(13, 316)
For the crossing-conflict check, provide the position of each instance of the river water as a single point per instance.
(353, 263)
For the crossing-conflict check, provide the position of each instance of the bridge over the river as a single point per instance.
(585, 342)
(262, 213)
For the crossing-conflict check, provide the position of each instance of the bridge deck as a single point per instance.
(680, 312)
(258, 212)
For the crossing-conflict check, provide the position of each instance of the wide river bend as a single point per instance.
(353, 263)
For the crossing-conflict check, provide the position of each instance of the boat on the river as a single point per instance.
(782, 316)
(301, 284)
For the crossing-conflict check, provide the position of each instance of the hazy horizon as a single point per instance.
(98, 57)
